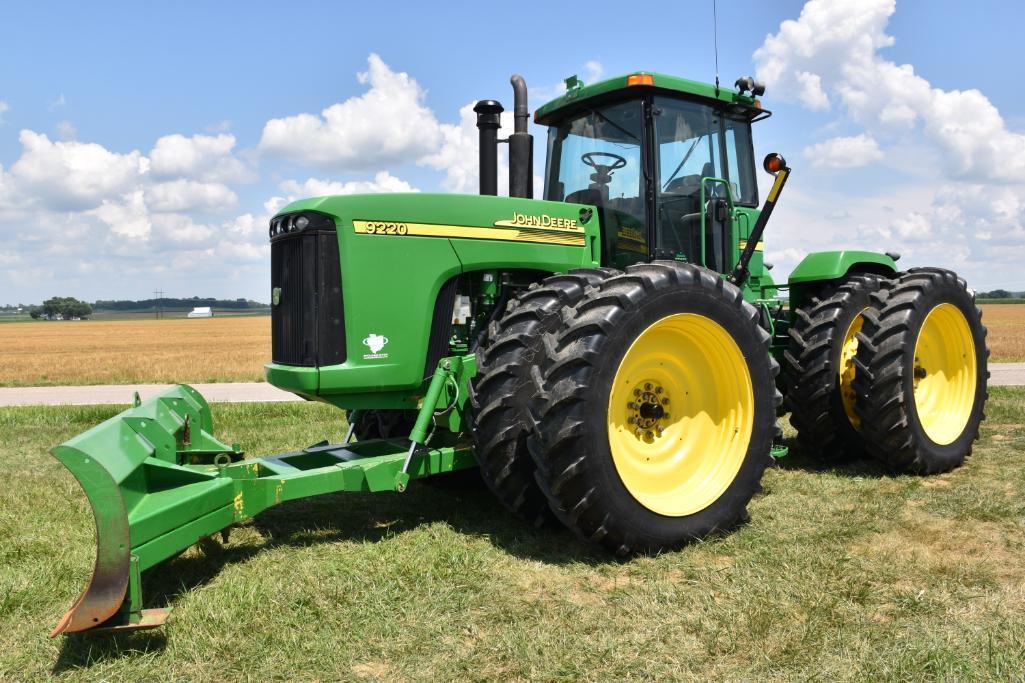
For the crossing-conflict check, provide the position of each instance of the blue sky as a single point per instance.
(171, 132)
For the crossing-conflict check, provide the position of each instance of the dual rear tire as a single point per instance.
(891, 368)
(647, 407)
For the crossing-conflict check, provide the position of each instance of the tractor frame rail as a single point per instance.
(158, 482)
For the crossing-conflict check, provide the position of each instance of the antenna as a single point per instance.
(715, 43)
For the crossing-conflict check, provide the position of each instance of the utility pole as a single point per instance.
(158, 310)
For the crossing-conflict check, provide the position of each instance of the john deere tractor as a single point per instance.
(608, 355)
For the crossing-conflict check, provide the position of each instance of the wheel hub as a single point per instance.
(648, 411)
(944, 377)
(848, 351)
(680, 414)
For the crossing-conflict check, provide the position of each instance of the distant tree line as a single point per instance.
(66, 307)
(170, 302)
(1000, 294)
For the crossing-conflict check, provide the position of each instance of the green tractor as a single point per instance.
(607, 356)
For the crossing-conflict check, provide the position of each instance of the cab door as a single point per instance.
(694, 209)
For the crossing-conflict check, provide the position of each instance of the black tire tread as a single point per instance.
(883, 402)
(573, 355)
(502, 388)
(810, 377)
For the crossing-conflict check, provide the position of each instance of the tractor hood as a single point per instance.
(395, 252)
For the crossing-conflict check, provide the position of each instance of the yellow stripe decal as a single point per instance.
(759, 246)
(780, 177)
(538, 235)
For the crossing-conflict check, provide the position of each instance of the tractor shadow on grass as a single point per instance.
(860, 467)
(81, 651)
(468, 510)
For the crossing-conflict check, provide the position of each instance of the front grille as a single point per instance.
(307, 322)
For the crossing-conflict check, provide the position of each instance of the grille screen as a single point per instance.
(307, 325)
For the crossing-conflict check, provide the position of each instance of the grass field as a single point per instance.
(228, 349)
(232, 349)
(842, 574)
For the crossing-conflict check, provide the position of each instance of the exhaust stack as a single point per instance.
(489, 114)
(521, 144)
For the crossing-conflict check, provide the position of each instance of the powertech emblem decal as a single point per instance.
(375, 342)
(520, 228)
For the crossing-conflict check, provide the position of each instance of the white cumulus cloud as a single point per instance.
(956, 196)
(831, 52)
(316, 187)
(201, 157)
(844, 152)
(74, 174)
(127, 217)
(387, 124)
(190, 195)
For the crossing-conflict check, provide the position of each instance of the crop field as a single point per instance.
(232, 349)
(842, 573)
(220, 349)
(1006, 325)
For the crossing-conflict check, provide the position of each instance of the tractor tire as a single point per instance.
(818, 368)
(656, 409)
(502, 388)
(922, 373)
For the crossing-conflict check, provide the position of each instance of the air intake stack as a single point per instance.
(489, 120)
(521, 144)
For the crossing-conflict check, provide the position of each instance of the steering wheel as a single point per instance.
(588, 158)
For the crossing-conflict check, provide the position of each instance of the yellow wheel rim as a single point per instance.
(847, 370)
(680, 414)
(944, 374)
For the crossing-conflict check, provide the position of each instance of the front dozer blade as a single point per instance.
(158, 482)
(109, 582)
(116, 463)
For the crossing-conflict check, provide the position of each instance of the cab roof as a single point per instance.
(579, 96)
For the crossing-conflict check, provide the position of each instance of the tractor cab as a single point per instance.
(669, 163)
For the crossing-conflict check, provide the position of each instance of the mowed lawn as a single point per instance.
(220, 349)
(842, 574)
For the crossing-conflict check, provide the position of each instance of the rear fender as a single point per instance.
(822, 267)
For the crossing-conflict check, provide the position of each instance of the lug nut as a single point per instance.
(665, 401)
(631, 405)
(637, 392)
(647, 386)
(658, 390)
(629, 420)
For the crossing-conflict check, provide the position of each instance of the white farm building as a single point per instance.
(201, 312)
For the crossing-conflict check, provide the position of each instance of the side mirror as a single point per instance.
(774, 163)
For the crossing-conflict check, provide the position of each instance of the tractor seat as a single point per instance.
(586, 196)
(688, 184)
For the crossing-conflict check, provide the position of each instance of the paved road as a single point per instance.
(1001, 374)
(241, 392)
(1006, 374)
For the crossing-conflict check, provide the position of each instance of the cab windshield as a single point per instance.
(596, 158)
(701, 158)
